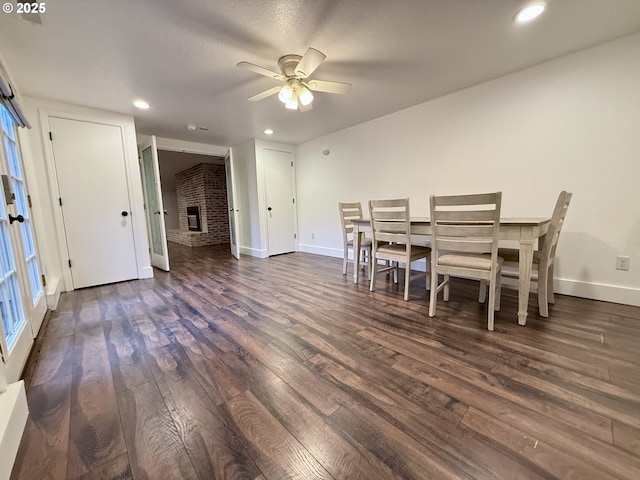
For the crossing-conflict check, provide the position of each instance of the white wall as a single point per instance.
(41, 189)
(170, 204)
(569, 124)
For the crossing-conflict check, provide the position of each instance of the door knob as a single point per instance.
(269, 208)
(12, 219)
(124, 213)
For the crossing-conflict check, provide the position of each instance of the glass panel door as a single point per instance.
(155, 208)
(22, 299)
(22, 208)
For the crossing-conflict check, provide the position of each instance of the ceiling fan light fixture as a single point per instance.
(286, 94)
(292, 104)
(305, 96)
(530, 11)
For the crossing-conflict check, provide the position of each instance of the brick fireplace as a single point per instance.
(201, 189)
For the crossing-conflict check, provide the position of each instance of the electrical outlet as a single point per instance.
(622, 262)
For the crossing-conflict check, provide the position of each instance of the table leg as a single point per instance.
(356, 252)
(524, 282)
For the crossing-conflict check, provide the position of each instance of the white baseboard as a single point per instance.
(54, 288)
(253, 252)
(146, 272)
(13, 418)
(326, 251)
(598, 291)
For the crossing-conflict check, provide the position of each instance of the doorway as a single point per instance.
(194, 191)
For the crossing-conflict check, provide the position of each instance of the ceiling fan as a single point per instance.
(296, 91)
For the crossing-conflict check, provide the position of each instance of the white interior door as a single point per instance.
(278, 179)
(231, 202)
(153, 201)
(94, 198)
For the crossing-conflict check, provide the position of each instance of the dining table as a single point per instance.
(525, 230)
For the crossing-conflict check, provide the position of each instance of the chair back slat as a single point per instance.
(461, 200)
(467, 246)
(465, 230)
(466, 215)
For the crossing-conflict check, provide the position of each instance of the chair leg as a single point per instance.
(498, 292)
(367, 254)
(345, 261)
(446, 288)
(407, 280)
(543, 305)
(550, 297)
(374, 264)
(395, 272)
(490, 310)
(433, 294)
(482, 293)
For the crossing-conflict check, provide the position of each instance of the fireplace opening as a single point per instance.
(193, 219)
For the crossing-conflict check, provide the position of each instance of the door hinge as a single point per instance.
(294, 200)
(44, 280)
(69, 263)
(295, 236)
(29, 201)
(292, 163)
(60, 200)
(51, 136)
(2, 355)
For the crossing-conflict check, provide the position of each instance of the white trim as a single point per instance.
(598, 291)
(146, 272)
(53, 293)
(254, 252)
(174, 145)
(14, 411)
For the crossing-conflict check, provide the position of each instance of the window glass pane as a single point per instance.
(34, 279)
(7, 123)
(12, 155)
(13, 318)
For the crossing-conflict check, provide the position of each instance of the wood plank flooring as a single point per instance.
(279, 368)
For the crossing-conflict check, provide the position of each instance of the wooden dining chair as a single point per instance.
(464, 243)
(543, 258)
(391, 227)
(348, 213)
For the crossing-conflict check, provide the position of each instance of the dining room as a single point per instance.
(364, 384)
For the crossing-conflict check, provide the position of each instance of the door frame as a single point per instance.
(234, 229)
(134, 186)
(260, 146)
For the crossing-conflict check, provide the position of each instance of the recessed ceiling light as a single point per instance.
(140, 104)
(268, 131)
(191, 127)
(531, 11)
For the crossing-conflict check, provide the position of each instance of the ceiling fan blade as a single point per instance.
(329, 87)
(265, 94)
(311, 59)
(260, 71)
(305, 108)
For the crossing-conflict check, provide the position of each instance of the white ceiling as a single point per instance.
(181, 56)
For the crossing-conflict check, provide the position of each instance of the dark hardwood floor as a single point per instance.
(283, 368)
